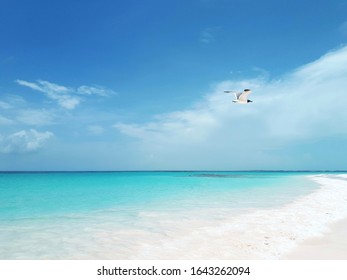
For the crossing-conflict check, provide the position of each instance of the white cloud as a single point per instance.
(302, 107)
(33, 86)
(24, 141)
(55, 92)
(95, 90)
(66, 97)
(190, 124)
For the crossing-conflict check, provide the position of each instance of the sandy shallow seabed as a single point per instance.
(282, 233)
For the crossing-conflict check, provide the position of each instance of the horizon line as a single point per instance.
(173, 170)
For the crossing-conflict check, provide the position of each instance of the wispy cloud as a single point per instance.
(305, 105)
(66, 97)
(95, 90)
(24, 141)
(58, 93)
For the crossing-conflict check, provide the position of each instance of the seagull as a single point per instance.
(241, 97)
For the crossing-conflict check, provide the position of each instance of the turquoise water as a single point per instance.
(33, 195)
(42, 213)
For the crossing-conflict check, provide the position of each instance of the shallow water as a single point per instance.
(134, 215)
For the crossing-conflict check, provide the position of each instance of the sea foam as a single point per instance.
(260, 234)
(211, 231)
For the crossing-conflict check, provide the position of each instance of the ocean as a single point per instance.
(146, 215)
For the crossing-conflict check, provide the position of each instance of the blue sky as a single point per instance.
(138, 85)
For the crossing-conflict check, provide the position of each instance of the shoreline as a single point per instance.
(312, 226)
(329, 244)
(269, 234)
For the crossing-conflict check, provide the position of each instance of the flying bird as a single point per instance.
(241, 97)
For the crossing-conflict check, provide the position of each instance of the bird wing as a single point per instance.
(237, 95)
(243, 95)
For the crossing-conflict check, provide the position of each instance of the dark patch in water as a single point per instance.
(218, 175)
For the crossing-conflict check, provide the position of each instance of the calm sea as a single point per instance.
(100, 215)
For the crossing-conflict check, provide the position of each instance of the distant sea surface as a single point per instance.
(129, 215)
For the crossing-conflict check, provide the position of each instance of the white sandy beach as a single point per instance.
(331, 246)
(311, 227)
